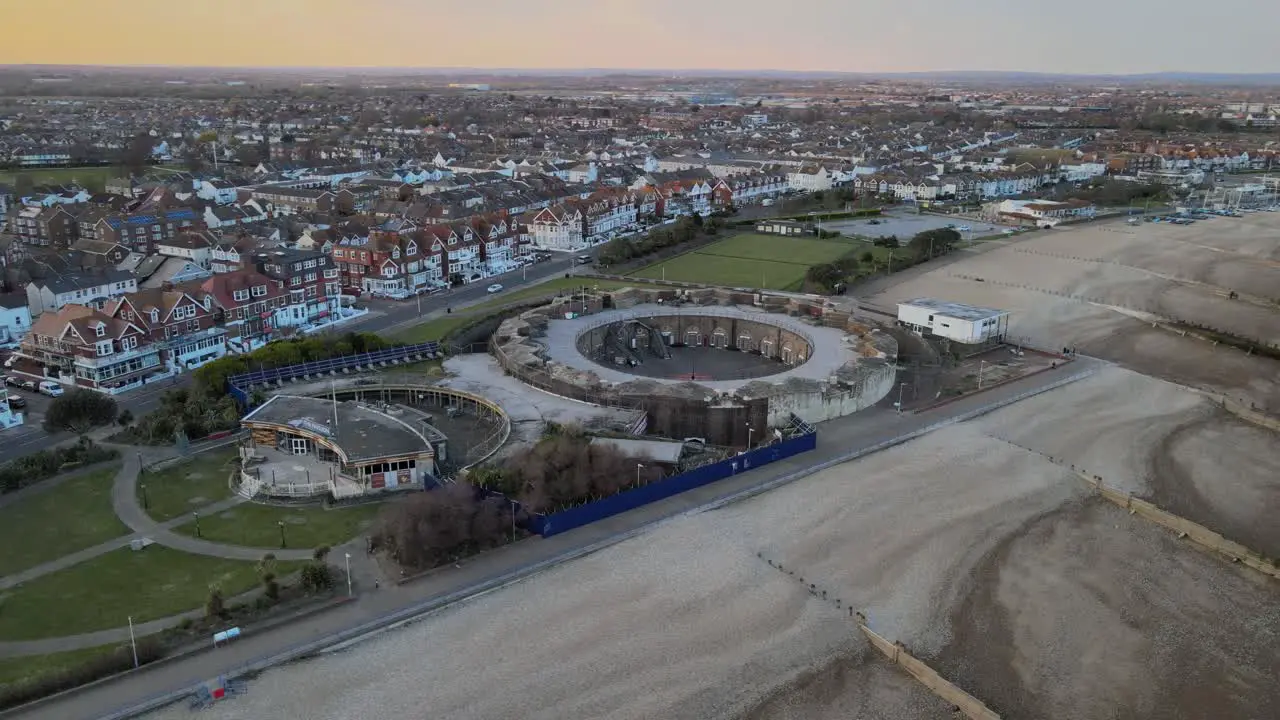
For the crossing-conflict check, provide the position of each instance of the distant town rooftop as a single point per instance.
(959, 311)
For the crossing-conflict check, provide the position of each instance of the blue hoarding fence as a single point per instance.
(565, 520)
(239, 385)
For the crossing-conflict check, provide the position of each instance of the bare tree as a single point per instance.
(137, 156)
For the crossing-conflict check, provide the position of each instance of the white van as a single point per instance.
(50, 388)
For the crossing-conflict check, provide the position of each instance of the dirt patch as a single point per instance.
(1089, 613)
(859, 685)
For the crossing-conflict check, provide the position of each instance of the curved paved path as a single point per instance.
(124, 501)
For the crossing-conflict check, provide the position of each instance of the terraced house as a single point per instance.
(184, 328)
(93, 349)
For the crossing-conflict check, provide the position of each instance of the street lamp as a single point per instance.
(196, 515)
(145, 505)
(900, 388)
(348, 574)
(639, 467)
(750, 430)
(982, 364)
(281, 524)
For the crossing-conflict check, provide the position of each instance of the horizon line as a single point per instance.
(628, 71)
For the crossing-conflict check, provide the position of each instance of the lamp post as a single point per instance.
(514, 506)
(348, 574)
(134, 642)
(982, 364)
(145, 505)
(196, 515)
(750, 430)
(639, 467)
(282, 542)
(901, 386)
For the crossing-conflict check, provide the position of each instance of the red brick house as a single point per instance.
(93, 349)
(184, 327)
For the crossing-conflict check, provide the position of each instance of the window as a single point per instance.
(129, 343)
(330, 274)
(311, 277)
(208, 302)
(309, 264)
(395, 253)
(100, 329)
(104, 348)
(155, 316)
(295, 280)
(259, 290)
(240, 295)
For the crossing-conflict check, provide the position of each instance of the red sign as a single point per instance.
(377, 481)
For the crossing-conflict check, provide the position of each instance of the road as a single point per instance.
(376, 608)
(385, 316)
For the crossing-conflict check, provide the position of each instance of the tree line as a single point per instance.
(684, 230)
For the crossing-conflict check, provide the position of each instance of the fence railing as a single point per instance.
(238, 384)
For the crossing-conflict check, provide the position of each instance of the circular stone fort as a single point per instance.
(710, 363)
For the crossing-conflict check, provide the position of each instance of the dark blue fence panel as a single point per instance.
(555, 523)
(238, 383)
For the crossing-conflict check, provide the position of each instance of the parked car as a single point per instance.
(28, 385)
(16, 401)
(494, 288)
(50, 388)
(12, 381)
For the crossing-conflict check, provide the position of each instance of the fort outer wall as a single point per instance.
(816, 402)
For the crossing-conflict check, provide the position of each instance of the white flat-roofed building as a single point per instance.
(954, 321)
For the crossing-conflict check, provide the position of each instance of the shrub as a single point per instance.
(428, 529)
(117, 661)
(33, 468)
(79, 411)
(215, 606)
(316, 577)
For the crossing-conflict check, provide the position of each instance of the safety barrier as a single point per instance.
(565, 520)
(238, 385)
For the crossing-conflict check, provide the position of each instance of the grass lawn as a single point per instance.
(180, 489)
(309, 526)
(437, 328)
(24, 669)
(93, 178)
(73, 516)
(104, 592)
(730, 271)
(751, 260)
(798, 250)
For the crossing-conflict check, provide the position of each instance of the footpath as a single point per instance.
(375, 609)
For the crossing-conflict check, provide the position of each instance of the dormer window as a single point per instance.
(208, 302)
(100, 329)
(395, 253)
(155, 315)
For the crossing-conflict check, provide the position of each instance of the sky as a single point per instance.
(1072, 36)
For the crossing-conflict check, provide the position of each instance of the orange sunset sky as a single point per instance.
(848, 35)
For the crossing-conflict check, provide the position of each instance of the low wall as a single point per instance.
(969, 705)
(565, 520)
(238, 386)
(1195, 532)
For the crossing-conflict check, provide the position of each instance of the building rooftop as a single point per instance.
(361, 433)
(959, 311)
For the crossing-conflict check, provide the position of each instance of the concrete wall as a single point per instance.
(711, 331)
(824, 403)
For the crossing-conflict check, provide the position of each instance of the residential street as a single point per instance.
(385, 317)
(838, 440)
